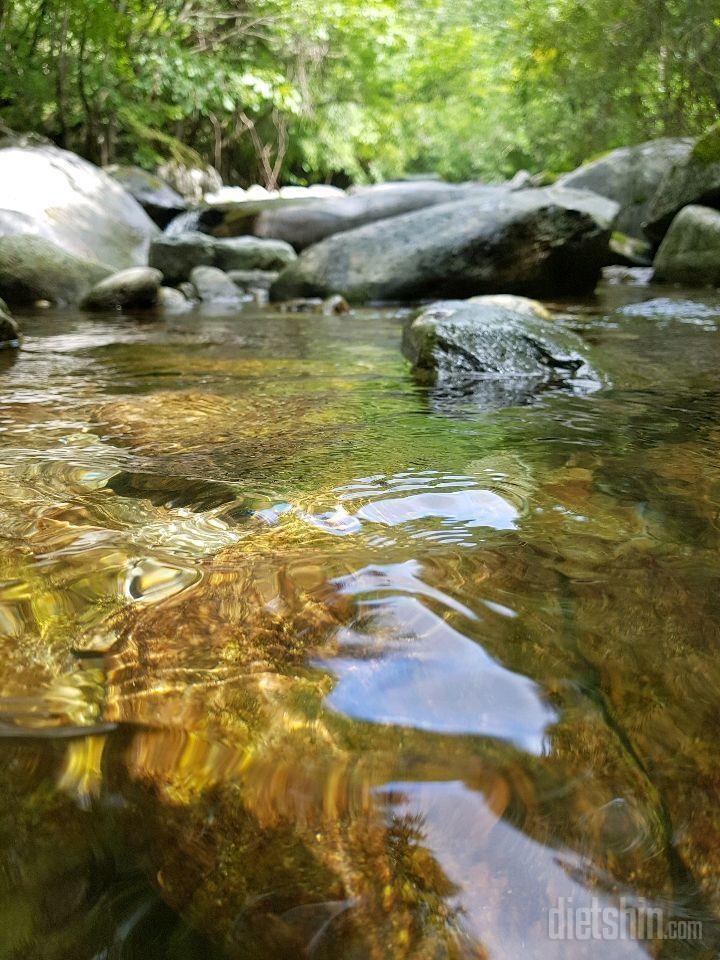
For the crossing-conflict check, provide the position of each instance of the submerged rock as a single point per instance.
(456, 342)
(32, 268)
(58, 196)
(9, 329)
(332, 306)
(306, 224)
(214, 286)
(630, 176)
(531, 242)
(692, 180)
(154, 195)
(176, 256)
(690, 252)
(252, 253)
(135, 288)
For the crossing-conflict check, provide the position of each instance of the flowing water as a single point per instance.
(300, 658)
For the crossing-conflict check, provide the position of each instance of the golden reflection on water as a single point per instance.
(296, 662)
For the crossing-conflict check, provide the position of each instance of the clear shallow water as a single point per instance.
(299, 658)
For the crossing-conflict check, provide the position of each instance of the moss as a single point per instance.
(707, 148)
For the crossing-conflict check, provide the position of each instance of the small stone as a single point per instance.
(214, 286)
(187, 289)
(253, 279)
(136, 288)
(171, 300)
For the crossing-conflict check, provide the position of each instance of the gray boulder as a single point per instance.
(32, 268)
(214, 286)
(56, 195)
(503, 355)
(305, 224)
(170, 300)
(630, 176)
(690, 252)
(133, 289)
(253, 279)
(252, 253)
(176, 256)
(157, 198)
(532, 242)
(693, 180)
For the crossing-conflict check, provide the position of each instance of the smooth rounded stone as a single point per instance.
(253, 279)
(155, 196)
(171, 300)
(532, 242)
(9, 329)
(132, 289)
(309, 223)
(690, 252)
(694, 180)
(32, 269)
(188, 290)
(54, 194)
(456, 341)
(630, 176)
(525, 305)
(214, 286)
(176, 256)
(252, 253)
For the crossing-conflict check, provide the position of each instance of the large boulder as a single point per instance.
(252, 253)
(630, 176)
(532, 242)
(134, 288)
(690, 252)
(156, 197)
(32, 268)
(507, 354)
(695, 179)
(177, 255)
(305, 224)
(75, 205)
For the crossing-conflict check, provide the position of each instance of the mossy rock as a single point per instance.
(32, 269)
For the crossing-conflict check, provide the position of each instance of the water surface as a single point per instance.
(300, 658)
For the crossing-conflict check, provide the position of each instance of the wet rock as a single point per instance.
(630, 251)
(32, 268)
(188, 290)
(335, 306)
(694, 179)
(690, 252)
(135, 288)
(630, 176)
(306, 224)
(251, 253)
(531, 242)
(176, 256)
(58, 196)
(156, 197)
(9, 329)
(171, 300)
(332, 306)
(253, 279)
(456, 341)
(214, 286)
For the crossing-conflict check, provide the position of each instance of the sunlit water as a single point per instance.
(300, 658)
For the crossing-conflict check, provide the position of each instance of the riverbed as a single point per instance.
(303, 658)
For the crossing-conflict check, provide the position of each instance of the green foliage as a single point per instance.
(306, 90)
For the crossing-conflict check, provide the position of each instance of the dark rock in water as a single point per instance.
(532, 242)
(690, 252)
(9, 329)
(309, 223)
(630, 176)
(56, 195)
(157, 198)
(252, 253)
(253, 279)
(176, 256)
(135, 288)
(693, 180)
(32, 268)
(214, 286)
(479, 347)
